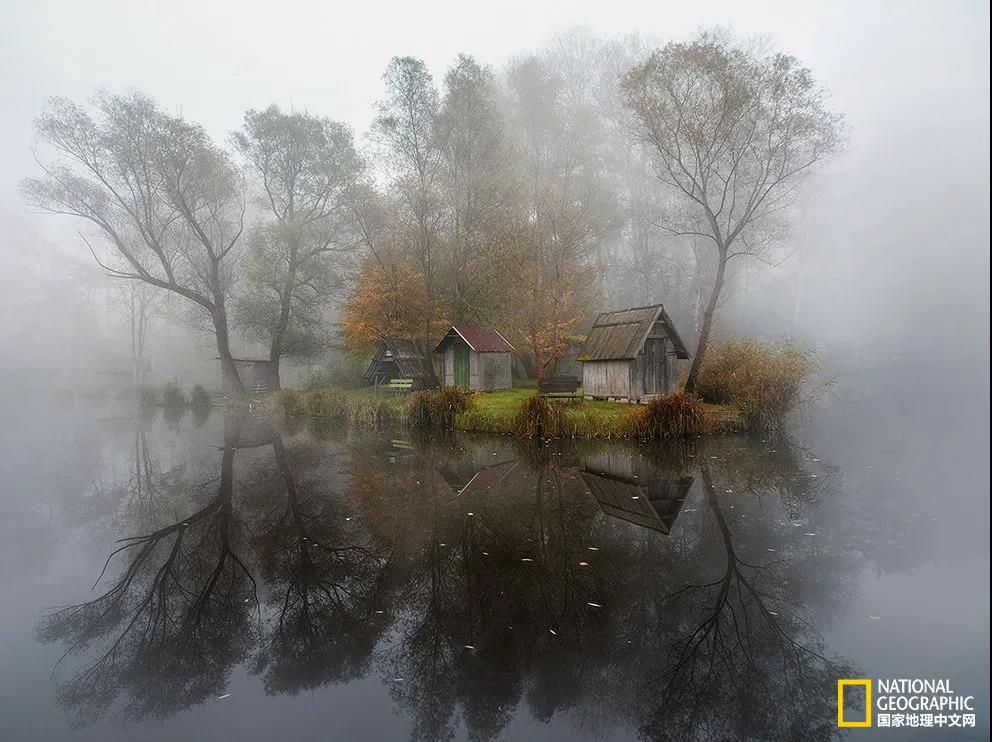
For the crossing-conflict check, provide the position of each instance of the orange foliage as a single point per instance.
(388, 302)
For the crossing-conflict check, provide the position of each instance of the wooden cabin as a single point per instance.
(398, 359)
(256, 376)
(475, 358)
(631, 355)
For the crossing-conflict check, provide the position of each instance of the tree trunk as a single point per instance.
(704, 331)
(275, 354)
(229, 371)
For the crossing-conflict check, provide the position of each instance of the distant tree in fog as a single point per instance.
(305, 167)
(733, 131)
(166, 201)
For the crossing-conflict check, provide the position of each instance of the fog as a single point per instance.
(893, 234)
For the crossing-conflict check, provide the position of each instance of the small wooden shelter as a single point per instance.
(256, 376)
(396, 358)
(630, 355)
(475, 358)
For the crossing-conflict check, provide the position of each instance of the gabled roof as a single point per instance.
(479, 339)
(622, 498)
(404, 354)
(620, 335)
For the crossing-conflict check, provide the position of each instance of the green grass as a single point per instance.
(490, 412)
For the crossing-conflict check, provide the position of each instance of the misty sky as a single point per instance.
(902, 216)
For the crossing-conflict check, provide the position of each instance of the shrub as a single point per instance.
(199, 398)
(173, 396)
(538, 417)
(288, 402)
(673, 416)
(437, 408)
(147, 396)
(764, 380)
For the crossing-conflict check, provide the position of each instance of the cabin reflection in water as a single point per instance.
(631, 490)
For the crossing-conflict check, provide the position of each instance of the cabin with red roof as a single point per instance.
(474, 358)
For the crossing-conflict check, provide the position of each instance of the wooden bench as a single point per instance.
(559, 386)
(399, 386)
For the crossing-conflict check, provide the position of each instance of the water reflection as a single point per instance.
(678, 592)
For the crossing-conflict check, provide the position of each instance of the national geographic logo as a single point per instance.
(855, 683)
(903, 702)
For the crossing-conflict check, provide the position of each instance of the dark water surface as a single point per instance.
(266, 583)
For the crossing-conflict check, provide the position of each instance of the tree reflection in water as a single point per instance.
(675, 591)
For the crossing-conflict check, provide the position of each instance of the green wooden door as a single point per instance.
(461, 366)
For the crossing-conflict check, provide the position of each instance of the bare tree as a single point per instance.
(137, 302)
(733, 131)
(163, 197)
(305, 166)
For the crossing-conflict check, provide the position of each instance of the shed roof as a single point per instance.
(479, 339)
(620, 335)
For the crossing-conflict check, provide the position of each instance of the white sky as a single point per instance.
(906, 210)
(212, 59)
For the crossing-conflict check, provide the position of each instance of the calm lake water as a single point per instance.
(229, 578)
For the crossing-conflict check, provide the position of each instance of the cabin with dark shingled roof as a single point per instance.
(474, 358)
(630, 355)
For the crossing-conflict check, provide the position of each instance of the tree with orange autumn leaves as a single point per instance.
(491, 214)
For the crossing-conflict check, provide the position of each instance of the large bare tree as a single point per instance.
(733, 131)
(305, 166)
(165, 200)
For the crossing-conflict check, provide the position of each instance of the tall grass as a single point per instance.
(335, 405)
(437, 408)
(765, 381)
(674, 416)
(538, 417)
(326, 404)
(374, 411)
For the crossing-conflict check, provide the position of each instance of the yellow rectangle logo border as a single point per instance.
(848, 682)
